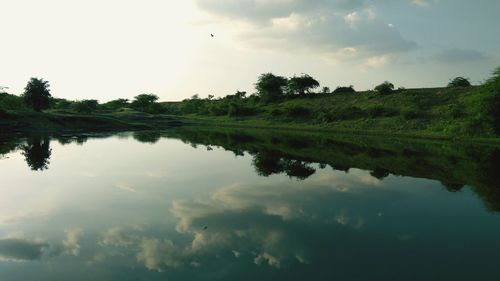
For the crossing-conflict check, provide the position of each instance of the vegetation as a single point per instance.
(459, 82)
(37, 94)
(385, 88)
(280, 102)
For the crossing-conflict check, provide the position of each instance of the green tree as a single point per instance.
(37, 94)
(144, 102)
(385, 88)
(86, 106)
(459, 82)
(116, 104)
(270, 87)
(301, 85)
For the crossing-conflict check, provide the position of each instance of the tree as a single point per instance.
(86, 106)
(459, 82)
(144, 102)
(37, 94)
(270, 87)
(116, 104)
(301, 85)
(385, 88)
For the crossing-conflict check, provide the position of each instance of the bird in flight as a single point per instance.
(212, 35)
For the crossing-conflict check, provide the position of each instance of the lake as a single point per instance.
(227, 204)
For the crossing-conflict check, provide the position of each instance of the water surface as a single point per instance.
(246, 205)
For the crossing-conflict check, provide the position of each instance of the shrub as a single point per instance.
(297, 112)
(385, 88)
(346, 90)
(380, 111)
(410, 113)
(236, 109)
(347, 113)
(459, 82)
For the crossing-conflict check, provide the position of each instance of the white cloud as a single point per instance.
(72, 241)
(421, 3)
(324, 28)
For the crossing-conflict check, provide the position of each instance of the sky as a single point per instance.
(109, 49)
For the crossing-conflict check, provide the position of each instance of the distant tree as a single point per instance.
(301, 85)
(86, 106)
(37, 94)
(144, 102)
(270, 87)
(385, 88)
(341, 89)
(210, 97)
(116, 104)
(459, 82)
(325, 90)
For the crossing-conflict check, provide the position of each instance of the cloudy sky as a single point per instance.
(121, 48)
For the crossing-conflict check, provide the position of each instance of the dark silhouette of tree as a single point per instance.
(147, 137)
(452, 187)
(144, 102)
(37, 94)
(385, 88)
(298, 169)
(379, 173)
(267, 163)
(301, 85)
(37, 153)
(459, 82)
(270, 87)
(340, 90)
(116, 104)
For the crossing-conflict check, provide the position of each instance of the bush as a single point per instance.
(347, 113)
(410, 113)
(344, 90)
(385, 88)
(459, 82)
(380, 111)
(297, 112)
(236, 109)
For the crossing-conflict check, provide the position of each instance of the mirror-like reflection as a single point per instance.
(193, 204)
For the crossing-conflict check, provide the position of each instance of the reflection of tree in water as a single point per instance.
(268, 163)
(37, 153)
(379, 173)
(147, 137)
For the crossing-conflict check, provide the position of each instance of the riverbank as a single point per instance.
(68, 122)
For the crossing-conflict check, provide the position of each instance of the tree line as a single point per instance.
(270, 88)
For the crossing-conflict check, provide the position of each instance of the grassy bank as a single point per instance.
(58, 122)
(440, 113)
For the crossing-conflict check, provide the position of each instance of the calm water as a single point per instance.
(246, 206)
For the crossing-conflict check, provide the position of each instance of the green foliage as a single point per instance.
(116, 104)
(459, 82)
(301, 85)
(342, 90)
(238, 109)
(385, 88)
(380, 111)
(410, 113)
(297, 111)
(11, 102)
(85, 106)
(145, 102)
(37, 94)
(270, 87)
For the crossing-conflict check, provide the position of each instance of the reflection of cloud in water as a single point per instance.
(72, 241)
(22, 249)
(125, 187)
(117, 237)
(270, 225)
(18, 249)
